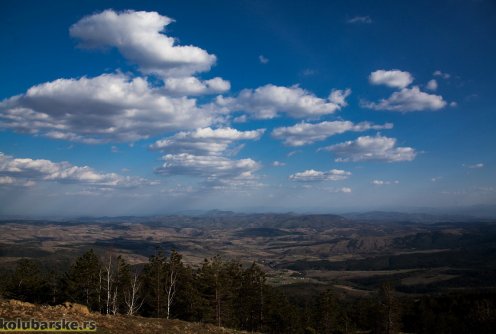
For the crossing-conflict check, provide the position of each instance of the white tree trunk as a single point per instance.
(171, 289)
(131, 297)
(108, 270)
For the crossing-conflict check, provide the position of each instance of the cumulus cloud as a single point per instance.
(269, 101)
(371, 148)
(278, 164)
(432, 85)
(139, 37)
(392, 78)
(205, 141)
(20, 171)
(308, 133)
(408, 99)
(211, 167)
(191, 86)
(312, 175)
(360, 19)
(107, 108)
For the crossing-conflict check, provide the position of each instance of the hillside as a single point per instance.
(13, 309)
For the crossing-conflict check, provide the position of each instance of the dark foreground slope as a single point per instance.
(108, 324)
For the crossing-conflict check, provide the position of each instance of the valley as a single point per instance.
(353, 253)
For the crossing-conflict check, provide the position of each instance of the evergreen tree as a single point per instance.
(154, 284)
(83, 282)
(251, 297)
(327, 312)
(27, 282)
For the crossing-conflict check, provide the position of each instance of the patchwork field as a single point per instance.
(418, 254)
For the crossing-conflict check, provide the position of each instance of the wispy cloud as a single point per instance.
(360, 20)
(440, 74)
(384, 182)
(474, 166)
(263, 60)
(312, 175)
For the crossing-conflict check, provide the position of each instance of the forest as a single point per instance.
(229, 294)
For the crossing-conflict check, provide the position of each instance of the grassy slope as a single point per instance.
(107, 324)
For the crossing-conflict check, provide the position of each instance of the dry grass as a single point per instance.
(106, 324)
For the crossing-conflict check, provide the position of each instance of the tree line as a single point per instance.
(228, 294)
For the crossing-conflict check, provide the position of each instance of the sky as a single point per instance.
(154, 107)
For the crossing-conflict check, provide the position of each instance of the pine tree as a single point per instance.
(328, 312)
(27, 282)
(82, 282)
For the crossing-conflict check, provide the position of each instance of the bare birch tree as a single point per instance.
(173, 266)
(109, 283)
(131, 297)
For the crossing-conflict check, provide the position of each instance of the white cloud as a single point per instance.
(19, 171)
(308, 133)
(432, 85)
(360, 19)
(443, 75)
(290, 154)
(205, 141)
(191, 86)
(269, 101)
(392, 78)
(312, 175)
(110, 107)
(408, 99)
(278, 164)
(139, 38)
(475, 166)
(308, 72)
(371, 148)
(345, 190)
(211, 167)
(338, 97)
(6, 179)
(263, 59)
(240, 119)
(382, 182)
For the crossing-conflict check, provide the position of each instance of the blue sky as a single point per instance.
(127, 107)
